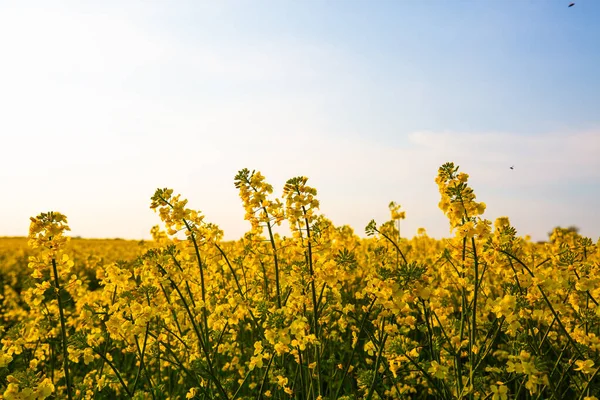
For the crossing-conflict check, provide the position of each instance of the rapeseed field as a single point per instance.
(319, 314)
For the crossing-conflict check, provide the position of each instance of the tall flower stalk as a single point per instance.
(46, 232)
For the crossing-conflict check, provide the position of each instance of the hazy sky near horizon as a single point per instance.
(103, 102)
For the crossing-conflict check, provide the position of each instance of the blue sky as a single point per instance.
(102, 102)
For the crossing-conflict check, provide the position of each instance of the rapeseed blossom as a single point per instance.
(322, 313)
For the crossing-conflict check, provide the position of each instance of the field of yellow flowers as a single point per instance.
(321, 314)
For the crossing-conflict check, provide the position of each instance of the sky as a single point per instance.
(103, 102)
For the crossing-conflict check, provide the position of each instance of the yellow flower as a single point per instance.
(44, 389)
(585, 366)
(437, 370)
(5, 359)
(396, 214)
(282, 381)
(500, 391)
(88, 355)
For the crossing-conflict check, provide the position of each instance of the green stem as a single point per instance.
(394, 244)
(235, 278)
(116, 371)
(203, 345)
(378, 360)
(203, 287)
(264, 380)
(275, 260)
(347, 367)
(587, 385)
(427, 376)
(473, 338)
(314, 300)
(141, 354)
(63, 329)
(272, 240)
